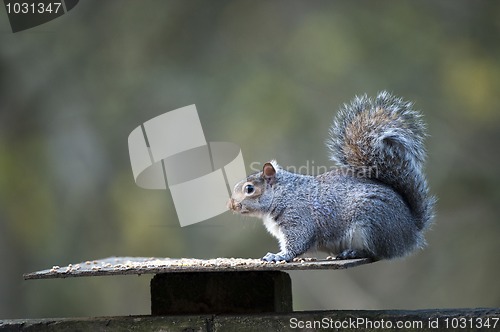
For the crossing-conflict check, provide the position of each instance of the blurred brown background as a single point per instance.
(268, 76)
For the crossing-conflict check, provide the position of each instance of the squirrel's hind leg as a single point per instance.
(354, 253)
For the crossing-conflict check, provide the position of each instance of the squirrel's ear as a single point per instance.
(268, 173)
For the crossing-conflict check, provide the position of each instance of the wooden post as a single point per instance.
(221, 292)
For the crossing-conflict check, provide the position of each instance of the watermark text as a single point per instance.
(310, 168)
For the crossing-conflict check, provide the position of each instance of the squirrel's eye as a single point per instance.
(248, 189)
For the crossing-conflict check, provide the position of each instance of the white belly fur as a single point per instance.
(274, 230)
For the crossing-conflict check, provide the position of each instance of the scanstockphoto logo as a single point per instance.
(26, 14)
(170, 151)
(311, 168)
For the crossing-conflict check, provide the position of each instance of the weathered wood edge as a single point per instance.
(267, 322)
(143, 265)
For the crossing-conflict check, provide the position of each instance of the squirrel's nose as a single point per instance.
(230, 204)
(233, 205)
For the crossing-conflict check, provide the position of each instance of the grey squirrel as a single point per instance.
(375, 205)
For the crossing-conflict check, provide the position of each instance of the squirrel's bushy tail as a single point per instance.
(384, 139)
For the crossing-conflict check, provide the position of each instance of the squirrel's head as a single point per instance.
(253, 196)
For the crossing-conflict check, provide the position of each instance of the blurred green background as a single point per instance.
(268, 76)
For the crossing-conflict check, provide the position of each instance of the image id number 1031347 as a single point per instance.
(14, 7)
(470, 323)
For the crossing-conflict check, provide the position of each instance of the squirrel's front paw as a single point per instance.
(270, 257)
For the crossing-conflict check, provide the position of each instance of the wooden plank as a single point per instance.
(487, 319)
(153, 265)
